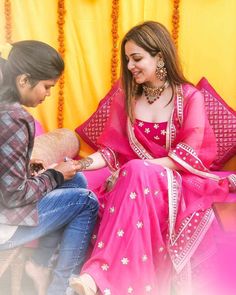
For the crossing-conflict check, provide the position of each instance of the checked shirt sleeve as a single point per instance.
(17, 188)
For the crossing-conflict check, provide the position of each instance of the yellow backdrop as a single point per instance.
(207, 46)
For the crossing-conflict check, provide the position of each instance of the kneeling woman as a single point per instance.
(39, 205)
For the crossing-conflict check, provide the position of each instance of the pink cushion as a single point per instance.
(38, 128)
(96, 178)
(223, 120)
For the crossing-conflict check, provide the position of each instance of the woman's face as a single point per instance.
(140, 63)
(32, 96)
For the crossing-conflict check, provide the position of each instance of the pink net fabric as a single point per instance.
(92, 128)
(223, 120)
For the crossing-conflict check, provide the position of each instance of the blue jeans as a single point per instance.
(67, 216)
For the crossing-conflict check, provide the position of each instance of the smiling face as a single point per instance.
(141, 64)
(31, 96)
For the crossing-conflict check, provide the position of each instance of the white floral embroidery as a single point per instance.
(156, 126)
(125, 260)
(103, 205)
(94, 237)
(120, 233)
(156, 192)
(161, 249)
(156, 137)
(147, 130)
(146, 191)
(107, 292)
(124, 173)
(148, 288)
(140, 124)
(144, 258)
(100, 245)
(133, 195)
(130, 290)
(112, 209)
(105, 267)
(163, 132)
(162, 174)
(139, 224)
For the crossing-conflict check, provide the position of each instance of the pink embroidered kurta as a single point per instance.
(155, 220)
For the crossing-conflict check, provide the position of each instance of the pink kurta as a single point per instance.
(155, 220)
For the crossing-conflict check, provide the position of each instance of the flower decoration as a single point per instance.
(8, 21)
(175, 21)
(115, 37)
(61, 12)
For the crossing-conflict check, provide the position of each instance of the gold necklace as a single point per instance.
(152, 94)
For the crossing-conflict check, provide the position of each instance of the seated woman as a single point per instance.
(39, 204)
(156, 215)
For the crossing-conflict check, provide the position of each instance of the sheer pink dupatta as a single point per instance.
(193, 145)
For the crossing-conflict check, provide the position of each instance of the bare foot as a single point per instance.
(40, 276)
(83, 285)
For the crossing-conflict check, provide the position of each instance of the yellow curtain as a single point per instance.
(207, 46)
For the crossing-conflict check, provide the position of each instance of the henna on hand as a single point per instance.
(84, 163)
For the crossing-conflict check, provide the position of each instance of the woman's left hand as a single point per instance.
(37, 166)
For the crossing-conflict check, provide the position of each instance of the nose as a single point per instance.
(130, 65)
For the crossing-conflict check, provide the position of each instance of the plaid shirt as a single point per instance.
(19, 192)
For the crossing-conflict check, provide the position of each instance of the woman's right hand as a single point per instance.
(68, 169)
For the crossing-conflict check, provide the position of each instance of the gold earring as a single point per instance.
(161, 70)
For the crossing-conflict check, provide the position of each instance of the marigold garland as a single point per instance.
(8, 21)
(115, 37)
(61, 12)
(175, 21)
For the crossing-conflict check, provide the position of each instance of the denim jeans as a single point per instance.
(67, 216)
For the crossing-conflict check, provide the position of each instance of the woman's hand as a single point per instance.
(37, 166)
(68, 169)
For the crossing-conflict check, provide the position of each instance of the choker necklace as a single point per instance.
(152, 94)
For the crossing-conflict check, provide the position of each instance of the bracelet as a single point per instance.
(85, 163)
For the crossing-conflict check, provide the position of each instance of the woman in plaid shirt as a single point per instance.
(53, 205)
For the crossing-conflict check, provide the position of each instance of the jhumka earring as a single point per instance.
(161, 70)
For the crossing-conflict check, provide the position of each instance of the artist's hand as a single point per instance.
(37, 166)
(68, 169)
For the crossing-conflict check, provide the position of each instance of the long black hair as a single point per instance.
(36, 59)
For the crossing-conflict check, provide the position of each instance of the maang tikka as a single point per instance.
(161, 70)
